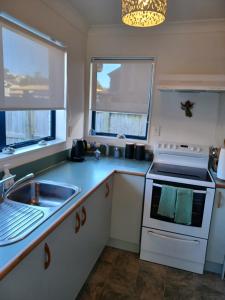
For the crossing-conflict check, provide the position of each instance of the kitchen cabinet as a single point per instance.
(58, 267)
(127, 203)
(216, 242)
(94, 235)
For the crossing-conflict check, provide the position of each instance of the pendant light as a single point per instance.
(143, 13)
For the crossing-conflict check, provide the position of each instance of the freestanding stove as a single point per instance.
(163, 240)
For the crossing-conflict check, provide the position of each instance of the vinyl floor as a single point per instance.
(121, 275)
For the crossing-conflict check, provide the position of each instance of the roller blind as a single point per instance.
(121, 85)
(32, 71)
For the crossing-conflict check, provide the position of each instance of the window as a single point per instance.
(121, 97)
(22, 128)
(32, 84)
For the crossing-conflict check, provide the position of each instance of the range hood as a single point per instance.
(192, 83)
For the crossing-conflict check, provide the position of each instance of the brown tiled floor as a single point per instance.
(120, 275)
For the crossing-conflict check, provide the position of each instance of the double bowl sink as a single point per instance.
(29, 205)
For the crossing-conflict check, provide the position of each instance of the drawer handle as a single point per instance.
(77, 227)
(173, 238)
(84, 216)
(47, 256)
(107, 190)
(219, 201)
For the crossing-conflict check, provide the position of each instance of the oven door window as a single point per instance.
(199, 197)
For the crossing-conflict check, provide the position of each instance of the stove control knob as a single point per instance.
(192, 148)
(174, 146)
(159, 145)
(198, 149)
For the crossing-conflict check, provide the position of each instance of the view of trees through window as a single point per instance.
(24, 126)
(25, 77)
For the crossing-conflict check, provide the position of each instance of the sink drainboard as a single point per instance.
(16, 221)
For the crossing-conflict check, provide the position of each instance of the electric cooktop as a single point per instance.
(180, 172)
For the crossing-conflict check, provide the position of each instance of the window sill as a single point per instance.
(33, 152)
(114, 140)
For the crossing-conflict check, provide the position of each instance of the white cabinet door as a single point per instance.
(25, 281)
(70, 253)
(94, 235)
(127, 206)
(59, 279)
(77, 243)
(62, 276)
(216, 242)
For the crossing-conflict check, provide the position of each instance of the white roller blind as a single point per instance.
(121, 85)
(32, 71)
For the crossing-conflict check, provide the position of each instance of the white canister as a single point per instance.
(221, 165)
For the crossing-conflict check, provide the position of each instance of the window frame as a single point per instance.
(93, 113)
(106, 134)
(3, 144)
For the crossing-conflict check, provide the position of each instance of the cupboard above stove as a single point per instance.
(192, 83)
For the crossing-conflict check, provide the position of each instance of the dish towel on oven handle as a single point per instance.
(183, 207)
(167, 201)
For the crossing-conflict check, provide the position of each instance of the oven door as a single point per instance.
(201, 212)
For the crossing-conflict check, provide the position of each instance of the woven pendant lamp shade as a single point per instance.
(143, 13)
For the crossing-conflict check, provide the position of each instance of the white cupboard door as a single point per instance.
(60, 265)
(62, 275)
(127, 205)
(26, 280)
(216, 242)
(94, 234)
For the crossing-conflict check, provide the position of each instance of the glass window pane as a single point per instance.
(26, 67)
(122, 86)
(22, 126)
(121, 123)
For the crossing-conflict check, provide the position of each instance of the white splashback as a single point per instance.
(201, 128)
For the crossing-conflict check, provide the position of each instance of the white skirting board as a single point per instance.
(123, 245)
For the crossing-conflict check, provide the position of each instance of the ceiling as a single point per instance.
(108, 12)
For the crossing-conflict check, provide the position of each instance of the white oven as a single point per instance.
(201, 213)
(163, 240)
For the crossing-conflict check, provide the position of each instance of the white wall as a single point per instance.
(179, 48)
(175, 126)
(41, 16)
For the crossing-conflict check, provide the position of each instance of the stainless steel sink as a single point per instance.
(29, 205)
(43, 194)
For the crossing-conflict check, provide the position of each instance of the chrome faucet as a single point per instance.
(3, 193)
(2, 188)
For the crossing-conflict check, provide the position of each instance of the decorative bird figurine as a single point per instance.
(187, 107)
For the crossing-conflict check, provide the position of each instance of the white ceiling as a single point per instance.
(107, 12)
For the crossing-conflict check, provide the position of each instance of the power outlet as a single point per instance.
(69, 131)
(156, 130)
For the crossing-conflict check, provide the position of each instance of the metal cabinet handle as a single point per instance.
(47, 256)
(219, 201)
(84, 216)
(107, 189)
(77, 227)
(164, 236)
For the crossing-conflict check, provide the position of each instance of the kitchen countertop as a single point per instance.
(87, 175)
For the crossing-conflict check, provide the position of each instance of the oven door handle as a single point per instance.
(194, 191)
(173, 238)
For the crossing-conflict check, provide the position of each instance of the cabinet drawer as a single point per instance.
(172, 249)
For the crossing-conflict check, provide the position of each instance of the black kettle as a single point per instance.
(78, 150)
